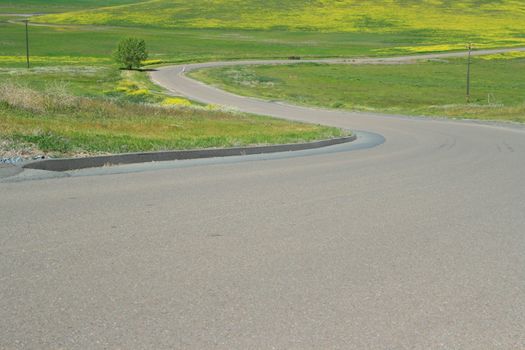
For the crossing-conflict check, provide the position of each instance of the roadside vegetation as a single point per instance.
(77, 110)
(91, 81)
(58, 124)
(111, 110)
(435, 87)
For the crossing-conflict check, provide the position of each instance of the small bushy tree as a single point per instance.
(131, 52)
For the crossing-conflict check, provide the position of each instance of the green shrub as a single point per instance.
(131, 52)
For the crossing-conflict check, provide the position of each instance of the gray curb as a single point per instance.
(145, 157)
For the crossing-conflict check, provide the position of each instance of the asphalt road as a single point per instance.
(418, 243)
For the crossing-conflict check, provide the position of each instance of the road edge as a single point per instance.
(66, 164)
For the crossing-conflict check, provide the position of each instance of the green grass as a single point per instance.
(76, 60)
(78, 80)
(62, 125)
(441, 22)
(425, 88)
(72, 57)
(46, 6)
(194, 34)
(88, 81)
(93, 45)
(193, 38)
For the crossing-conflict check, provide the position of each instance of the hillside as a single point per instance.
(491, 22)
(54, 6)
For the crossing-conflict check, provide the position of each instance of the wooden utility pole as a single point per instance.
(469, 61)
(27, 41)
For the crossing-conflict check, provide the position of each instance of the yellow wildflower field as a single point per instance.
(493, 23)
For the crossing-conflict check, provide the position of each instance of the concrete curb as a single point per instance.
(145, 157)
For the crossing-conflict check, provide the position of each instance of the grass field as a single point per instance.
(444, 24)
(425, 88)
(71, 53)
(77, 61)
(94, 81)
(59, 124)
(92, 45)
(56, 6)
(200, 30)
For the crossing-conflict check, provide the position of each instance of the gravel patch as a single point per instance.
(14, 152)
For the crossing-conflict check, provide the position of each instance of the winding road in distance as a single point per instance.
(417, 243)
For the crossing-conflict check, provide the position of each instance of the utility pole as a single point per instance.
(27, 41)
(469, 61)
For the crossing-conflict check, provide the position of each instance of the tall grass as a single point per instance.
(55, 99)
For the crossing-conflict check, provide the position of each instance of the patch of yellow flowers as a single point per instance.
(151, 62)
(176, 101)
(504, 56)
(131, 88)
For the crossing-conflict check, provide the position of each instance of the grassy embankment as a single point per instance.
(79, 110)
(60, 124)
(434, 88)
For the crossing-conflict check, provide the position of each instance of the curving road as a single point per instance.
(416, 243)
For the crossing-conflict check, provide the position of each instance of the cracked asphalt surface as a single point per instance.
(416, 243)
